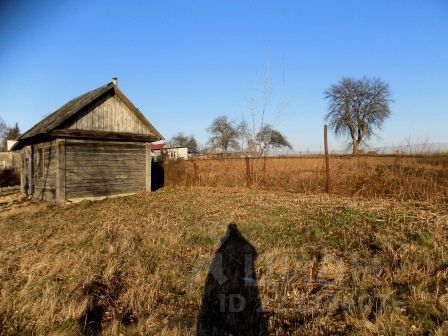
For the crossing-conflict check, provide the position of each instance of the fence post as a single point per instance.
(248, 173)
(327, 160)
(263, 180)
(196, 174)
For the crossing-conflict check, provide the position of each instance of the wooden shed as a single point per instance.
(95, 145)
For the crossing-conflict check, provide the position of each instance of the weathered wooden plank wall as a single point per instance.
(22, 172)
(97, 168)
(148, 160)
(110, 114)
(44, 172)
(25, 169)
(60, 166)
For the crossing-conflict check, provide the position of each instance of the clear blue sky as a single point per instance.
(185, 62)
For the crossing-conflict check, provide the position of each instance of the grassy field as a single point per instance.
(402, 177)
(138, 265)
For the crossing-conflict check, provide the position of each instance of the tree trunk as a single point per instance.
(355, 145)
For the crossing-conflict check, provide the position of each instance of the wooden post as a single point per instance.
(327, 160)
(148, 167)
(60, 172)
(31, 172)
(23, 171)
(248, 173)
(263, 180)
(196, 174)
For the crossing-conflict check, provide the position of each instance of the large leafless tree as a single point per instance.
(224, 134)
(357, 107)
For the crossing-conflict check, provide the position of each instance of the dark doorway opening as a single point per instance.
(157, 175)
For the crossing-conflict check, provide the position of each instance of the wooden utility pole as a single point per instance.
(327, 160)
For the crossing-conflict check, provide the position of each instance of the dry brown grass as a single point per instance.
(400, 177)
(326, 264)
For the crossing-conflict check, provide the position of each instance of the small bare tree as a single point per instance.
(357, 107)
(271, 138)
(257, 135)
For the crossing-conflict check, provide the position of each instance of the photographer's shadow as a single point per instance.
(231, 303)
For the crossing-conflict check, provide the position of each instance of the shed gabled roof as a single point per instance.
(52, 122)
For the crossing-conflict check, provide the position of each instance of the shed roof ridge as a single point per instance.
(66, 112)
(50, 122)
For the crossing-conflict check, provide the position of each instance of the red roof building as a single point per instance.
(158, 146)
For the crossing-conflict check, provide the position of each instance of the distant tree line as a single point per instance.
(227, 136)
(182, 140)
(7, 133)
(357, 108)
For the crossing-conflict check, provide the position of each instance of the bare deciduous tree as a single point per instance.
(270, 137)
(3, 130)
(7, 133)
(357, 107)
(224, 134)
(257, 133)
(181, 140)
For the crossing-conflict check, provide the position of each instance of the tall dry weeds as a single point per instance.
(422, 177)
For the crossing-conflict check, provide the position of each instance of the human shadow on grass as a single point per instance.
(231, 302)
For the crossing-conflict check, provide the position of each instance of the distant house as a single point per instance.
(162, 150)
(176, 153)
(9, 160)
(95, 145)
(156, 150)
(10, 144)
